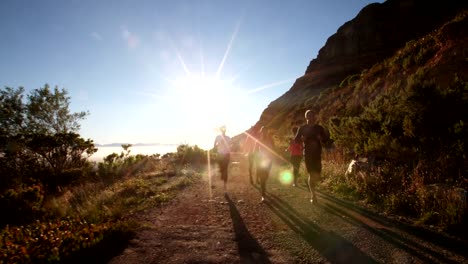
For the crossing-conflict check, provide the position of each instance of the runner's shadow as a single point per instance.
(250, 251)
(302, 188)
(413, 248)
(332, 246)
(439, 239)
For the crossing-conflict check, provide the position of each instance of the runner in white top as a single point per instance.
(223, 146)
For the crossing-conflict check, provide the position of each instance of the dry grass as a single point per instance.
(97, 201)
(441, 205)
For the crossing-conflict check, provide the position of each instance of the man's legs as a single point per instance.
(263, 173)
(224, 170)
(263, 178)
(312, 182)
(296, 163)
(255, 165)
(251, 164)
(295, 175)
(314, 167)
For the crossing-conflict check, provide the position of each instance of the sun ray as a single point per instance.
(244, 69)
(228, 49)
(257, 141)
(179, 57)
(148, 92)
(267, 86)
(182, 62)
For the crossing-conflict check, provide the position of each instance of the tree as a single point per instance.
(48, 112)
(12, 111)
(39, 137)
(12, 122)
(60, 151)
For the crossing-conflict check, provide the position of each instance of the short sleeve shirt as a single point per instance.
(311, 136)
(223, 144)
(295, 148)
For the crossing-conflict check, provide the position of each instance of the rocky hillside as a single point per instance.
(377, 33)
(392, 86)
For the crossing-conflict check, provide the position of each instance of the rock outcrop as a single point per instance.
(373, 35)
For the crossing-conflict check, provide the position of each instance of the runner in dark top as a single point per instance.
(312, 135)
(296, 150)
(249, 149)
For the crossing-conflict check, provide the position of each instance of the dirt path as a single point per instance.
(208, 226)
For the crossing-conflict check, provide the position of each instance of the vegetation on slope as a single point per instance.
(408, 116)
(60, 207)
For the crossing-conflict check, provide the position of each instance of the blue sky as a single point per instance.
(165, 71)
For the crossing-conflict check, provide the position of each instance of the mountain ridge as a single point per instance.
(375, 34)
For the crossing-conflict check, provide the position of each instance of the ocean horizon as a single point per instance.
(144, 149)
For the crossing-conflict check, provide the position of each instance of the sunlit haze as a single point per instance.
(165, 71)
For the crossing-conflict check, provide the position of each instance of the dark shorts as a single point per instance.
(313, 163)
(223, 162)
(296, 160)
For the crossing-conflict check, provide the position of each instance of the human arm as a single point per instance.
(298, 137)
(215, 142)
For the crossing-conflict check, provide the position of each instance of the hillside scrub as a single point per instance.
(415, 127)
(61, 206)
(40, 150)
(94, 218)
(408, 117)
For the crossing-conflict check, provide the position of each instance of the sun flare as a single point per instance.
(204, 93)
(208, 102)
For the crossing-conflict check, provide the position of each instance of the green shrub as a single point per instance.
(444, 204)
(192, 155)
(401, 203)
(22, 204)
(55, 241)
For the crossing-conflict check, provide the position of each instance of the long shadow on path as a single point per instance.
(250, 251)
(438, 239)
(330, 245)
(412, 247)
